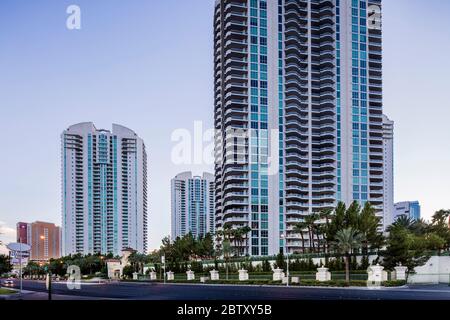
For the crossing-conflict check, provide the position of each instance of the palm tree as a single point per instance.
(317, 231)
(367, 225)
(420, 227)
(441, 216)
(137, 260)
(226, 247)
(300, 227)
(238, 239)
(244, 231)
(326, 215)
(90, 262)
(322, 229)
(310, 221)
(402, 222)
(225, 236)
(347, 240)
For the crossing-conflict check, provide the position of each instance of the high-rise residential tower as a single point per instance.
(104, 190)
(298, 113)
(192, 204)
(388, 165)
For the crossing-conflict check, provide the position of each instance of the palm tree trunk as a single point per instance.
(303, 241)
(311, 239)
(347, 268)
(318, 241)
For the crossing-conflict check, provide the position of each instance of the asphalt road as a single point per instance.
(155, 291)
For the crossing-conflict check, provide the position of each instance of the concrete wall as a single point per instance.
(436, 270)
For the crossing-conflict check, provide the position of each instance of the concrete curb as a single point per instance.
(401, 288)
(277, 286)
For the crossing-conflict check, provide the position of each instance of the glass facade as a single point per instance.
(360, 102)
(259, 149)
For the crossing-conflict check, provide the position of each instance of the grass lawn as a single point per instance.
(6, 291)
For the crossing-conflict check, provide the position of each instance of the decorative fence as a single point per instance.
(363, 276)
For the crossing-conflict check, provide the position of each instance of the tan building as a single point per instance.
(43, 237)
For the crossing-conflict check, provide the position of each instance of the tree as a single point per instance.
(362, 220)
(419, 227)
(440, 226)
(33, 268)
(266, 266)
(367, 224)
(404, 247)
(403, 221)
(205, 246)
(57, 266)
(243, 236)
(300, 228)
(5, 264)
(326, 215)
(435, 242)
(280, 262)
(91, 262)
(137, 261)
(310, 222)
(347, 240)
(127, 271)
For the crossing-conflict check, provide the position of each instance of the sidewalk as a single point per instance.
(34, 295)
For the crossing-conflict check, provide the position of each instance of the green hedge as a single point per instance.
(394, 283)
(305, 283)
(332, 283)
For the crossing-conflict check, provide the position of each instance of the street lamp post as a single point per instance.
(19, 249)
(283, 236)
(20, 265)
(163, 260)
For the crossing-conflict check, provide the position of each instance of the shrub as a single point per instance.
(128, 272)
(394, 283)
(365, 263)
(196, 266)
(333, 283)
(266, 266)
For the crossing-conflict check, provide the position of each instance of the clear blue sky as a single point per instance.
(147, 64)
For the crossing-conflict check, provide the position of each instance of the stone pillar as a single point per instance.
(278, 274)
(190, 275)
(323, 274)
(214, 275)
(243, 275)
(135, 275)
(152, 275)
(375, 274)
(400, 272)
(170, 276)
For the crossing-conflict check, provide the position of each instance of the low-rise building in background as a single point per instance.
(411, 209)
